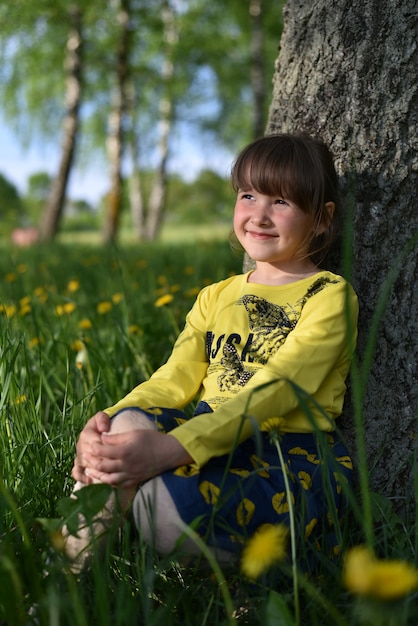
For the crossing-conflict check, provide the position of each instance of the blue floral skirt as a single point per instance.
(229, 498)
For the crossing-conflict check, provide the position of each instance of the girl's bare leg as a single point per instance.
(79, 548)
(160, 525)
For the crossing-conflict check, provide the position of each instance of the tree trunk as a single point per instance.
(158, 194)
(257, 67)
(347, 73)
(73, 67)
(115, 140)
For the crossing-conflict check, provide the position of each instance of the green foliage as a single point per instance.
(79, 327)
(11, 206)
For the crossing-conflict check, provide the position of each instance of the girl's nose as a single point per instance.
(260, 216)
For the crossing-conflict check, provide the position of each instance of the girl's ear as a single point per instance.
(326, 220)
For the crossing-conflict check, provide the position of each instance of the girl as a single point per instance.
(275, 342)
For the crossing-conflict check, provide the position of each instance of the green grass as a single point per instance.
(79, 327)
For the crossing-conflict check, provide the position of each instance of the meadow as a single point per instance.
(80, 326)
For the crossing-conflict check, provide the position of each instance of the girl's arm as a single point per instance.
(176, 383)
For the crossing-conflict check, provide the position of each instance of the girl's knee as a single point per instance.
(130, 419)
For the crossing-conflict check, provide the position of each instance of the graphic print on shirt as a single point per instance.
(269, 326)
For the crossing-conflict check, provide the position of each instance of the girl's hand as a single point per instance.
(91, 434)
(129, 459)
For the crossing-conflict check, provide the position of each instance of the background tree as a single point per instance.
(167, 60)
(73, 67)
(12, 212)
(347, 72)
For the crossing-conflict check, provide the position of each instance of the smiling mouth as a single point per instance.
(256, 235)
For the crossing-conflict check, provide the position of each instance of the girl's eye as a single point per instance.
(247, 196)
(280, 201)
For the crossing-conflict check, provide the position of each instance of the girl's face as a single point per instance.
(272, 230)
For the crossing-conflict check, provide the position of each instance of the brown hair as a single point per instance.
(298, 168)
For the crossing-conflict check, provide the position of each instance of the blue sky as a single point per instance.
(89, 181)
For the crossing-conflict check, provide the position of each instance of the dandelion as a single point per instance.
(273, 424)
(104, 307)
(34, 342)
(20, 399)
(117, 297)
(22, 268)
(41, 294)
(163, 300)
(134, 329)
(10, 277)
(162, 280)
(65, 309)
(73, 286)
(8, 309)
(366, 575)
(69, 307)
(266, 547)
(193, 291)
(85, 324)
(189, 270)
(25, 309)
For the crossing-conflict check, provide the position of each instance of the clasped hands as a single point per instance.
(124, 459)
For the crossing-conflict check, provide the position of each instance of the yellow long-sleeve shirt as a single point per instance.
(241, 345)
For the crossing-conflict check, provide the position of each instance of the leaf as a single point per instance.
(87, 502)
(277, 613)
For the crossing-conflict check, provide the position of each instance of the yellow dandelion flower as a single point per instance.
(69, 307)
(162, 280)
(24, 310)
(134, 329)
(189, 270)
(273, 423)
(117, 297)
(163, 300)
(10, 277)
(77, 345)
(20, 399)
(104, 307)
(73, 285)
(32, 343)
(59, 310)
(24, 301)
(85, 324)
(175, 288)
(8, 309)
(40, 294)
(266, 547)
(141, 264)
(193, 291)
(22, 268)
(366, 575)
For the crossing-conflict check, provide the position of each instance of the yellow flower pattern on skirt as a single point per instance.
(231, 496)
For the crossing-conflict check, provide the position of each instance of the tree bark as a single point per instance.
(258, 83)
(347, 72)
(158, 193)
(115, 139)
(74, 67)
